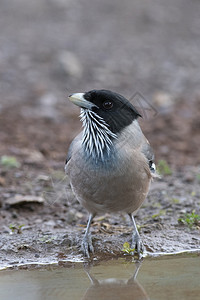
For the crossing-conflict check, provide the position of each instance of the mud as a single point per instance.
(52, 232)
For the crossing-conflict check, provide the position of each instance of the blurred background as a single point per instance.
(51, 48)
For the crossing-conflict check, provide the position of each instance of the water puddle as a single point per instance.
(155, 278)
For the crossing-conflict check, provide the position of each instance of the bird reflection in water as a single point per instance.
(113, 288)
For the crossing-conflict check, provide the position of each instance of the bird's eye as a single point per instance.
(107, 104)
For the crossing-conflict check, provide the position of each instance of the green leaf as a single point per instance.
(9, 161)
(127, 249)
(163, 168)
(190, 219)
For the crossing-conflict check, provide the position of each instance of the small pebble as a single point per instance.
(188, 177)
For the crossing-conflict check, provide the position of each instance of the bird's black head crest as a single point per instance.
(115, 109)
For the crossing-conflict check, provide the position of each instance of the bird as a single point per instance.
(115, 288)
(110, 163)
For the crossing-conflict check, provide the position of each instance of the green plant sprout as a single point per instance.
(17, 228)
(190, 219)
(127, 249)
(163, 168)
(9, 161)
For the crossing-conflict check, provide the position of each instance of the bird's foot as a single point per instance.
(87, 246)
(137, 245)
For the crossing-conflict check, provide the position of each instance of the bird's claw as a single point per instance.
(137, 245)
(87, 246)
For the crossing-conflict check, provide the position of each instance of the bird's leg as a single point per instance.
(86, 245)
(136, 240)
(134, 276)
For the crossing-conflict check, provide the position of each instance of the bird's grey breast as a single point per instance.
(118, 183)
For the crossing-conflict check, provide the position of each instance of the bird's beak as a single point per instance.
(79, 100)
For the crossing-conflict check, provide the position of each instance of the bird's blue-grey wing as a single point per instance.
(71, 150)
(149, 154)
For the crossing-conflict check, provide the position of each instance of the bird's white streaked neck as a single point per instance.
(97, 137)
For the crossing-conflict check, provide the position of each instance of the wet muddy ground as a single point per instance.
(52, 49)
